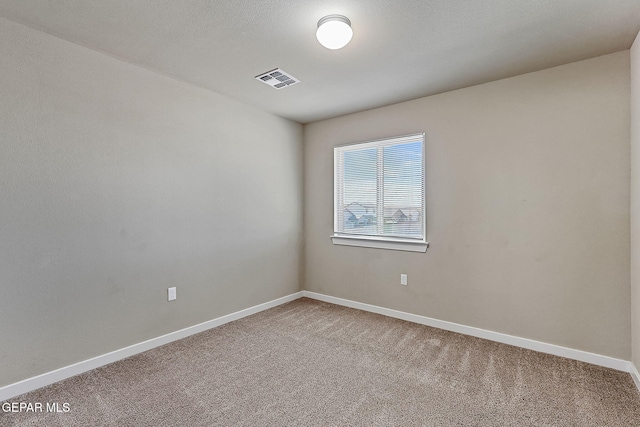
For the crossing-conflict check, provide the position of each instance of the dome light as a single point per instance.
(334, 31)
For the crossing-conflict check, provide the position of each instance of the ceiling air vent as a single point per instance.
(277, 78)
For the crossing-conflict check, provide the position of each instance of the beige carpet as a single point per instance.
(309, 363)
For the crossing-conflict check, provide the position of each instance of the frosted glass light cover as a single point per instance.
(334, 31)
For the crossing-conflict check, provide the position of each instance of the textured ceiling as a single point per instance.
(401, 49)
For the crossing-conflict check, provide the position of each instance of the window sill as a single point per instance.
(381, 243)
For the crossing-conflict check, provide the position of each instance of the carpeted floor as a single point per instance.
(309, 363)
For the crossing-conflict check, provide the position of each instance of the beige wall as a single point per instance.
(527, 208)
(117, 183)
(635, 202)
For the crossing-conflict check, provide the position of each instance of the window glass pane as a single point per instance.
(379, 188)
(403, 189)
(359, 191)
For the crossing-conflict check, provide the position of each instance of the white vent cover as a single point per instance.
(277, 78)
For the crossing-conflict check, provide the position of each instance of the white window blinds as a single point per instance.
(379, 188)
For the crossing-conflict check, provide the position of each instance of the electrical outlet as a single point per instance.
(171, 294)
(403, 279)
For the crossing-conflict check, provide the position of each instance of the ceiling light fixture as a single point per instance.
(334, 31)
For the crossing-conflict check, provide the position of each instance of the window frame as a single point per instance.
(377, 241)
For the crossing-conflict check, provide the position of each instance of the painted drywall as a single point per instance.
(117, 183)
(527, 191)
(635, 202)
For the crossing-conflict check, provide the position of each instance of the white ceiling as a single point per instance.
(400, 50)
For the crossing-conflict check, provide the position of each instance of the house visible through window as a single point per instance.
(379, 194)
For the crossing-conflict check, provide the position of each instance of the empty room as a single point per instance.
(319, 213)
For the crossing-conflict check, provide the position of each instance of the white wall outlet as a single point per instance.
(403, 279)
(171, 294)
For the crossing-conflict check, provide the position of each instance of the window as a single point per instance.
(379, 194)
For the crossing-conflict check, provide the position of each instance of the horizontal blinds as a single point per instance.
(379, 188)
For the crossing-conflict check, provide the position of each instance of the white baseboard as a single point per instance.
(24, 386)
(583, 356)
(634, 374)
(29, 384)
